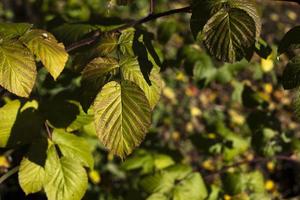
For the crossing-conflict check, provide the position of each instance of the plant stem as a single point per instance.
(151, 17)
(49, 133)
(288, 1)
(9, 174)
(152, 6)
(256, 160)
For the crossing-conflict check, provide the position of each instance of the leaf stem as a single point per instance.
(49, 133)
(9, 174)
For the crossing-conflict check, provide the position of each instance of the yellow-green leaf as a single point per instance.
(99, 67)
(8, 116)
(17, 68)
(46, 48)
(13, 30)
(74, 147)
(31, 176)
(65, 178)
(122, 116)
(131, 71)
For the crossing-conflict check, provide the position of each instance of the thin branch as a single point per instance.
(9, 174)
(243, 162)
(151, 17)
(290, 1)
(152, 6)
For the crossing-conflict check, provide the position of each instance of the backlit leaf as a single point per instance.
(31, 176)
(131, 71)
(74, 147)
(229, 34)
(17, 68)
(46, 48)
(65, 178)
(122, 116)
(12, 30)
(8, 116)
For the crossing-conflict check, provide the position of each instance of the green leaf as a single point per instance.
(234, 183)
(13, 30)
(131, 71)
(99, 67)
(140, 159)
(291, 40)
(262, 48)
(81, 120)
(291, 74)
(162, 161)
(73, 147)
(229, 33)
(31, 176)
(65, 178)
(126, 42)
(19, 125)
(157, 196)
(160, 182)
(46, 48)
(69, 33)
(122, 116)
(107, 44)
(192, 188)
(147, 161)
(203, 11)
(8, 116)
(94, 76)
(215, 193)
(256, 182)
(248, 6)
(178, 179)
(17, 68)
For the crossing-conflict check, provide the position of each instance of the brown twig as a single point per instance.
(152, 6)
(151, 17)
(290, 1)
(243, 162)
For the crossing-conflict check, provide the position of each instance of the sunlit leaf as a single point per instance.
(31, 176)
(17, 68)
(192, 187)
(122, 116)
(65, 178)
(132, 71)
(46, 48)
(74, 147)
(8, 116)
(12, 30)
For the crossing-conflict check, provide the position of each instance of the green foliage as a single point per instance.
(20, 76)
(227, 28)
(212, 133)
(175, 182)
(65, 178)
(122, 116)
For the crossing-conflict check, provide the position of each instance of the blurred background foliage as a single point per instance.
(233, 123)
